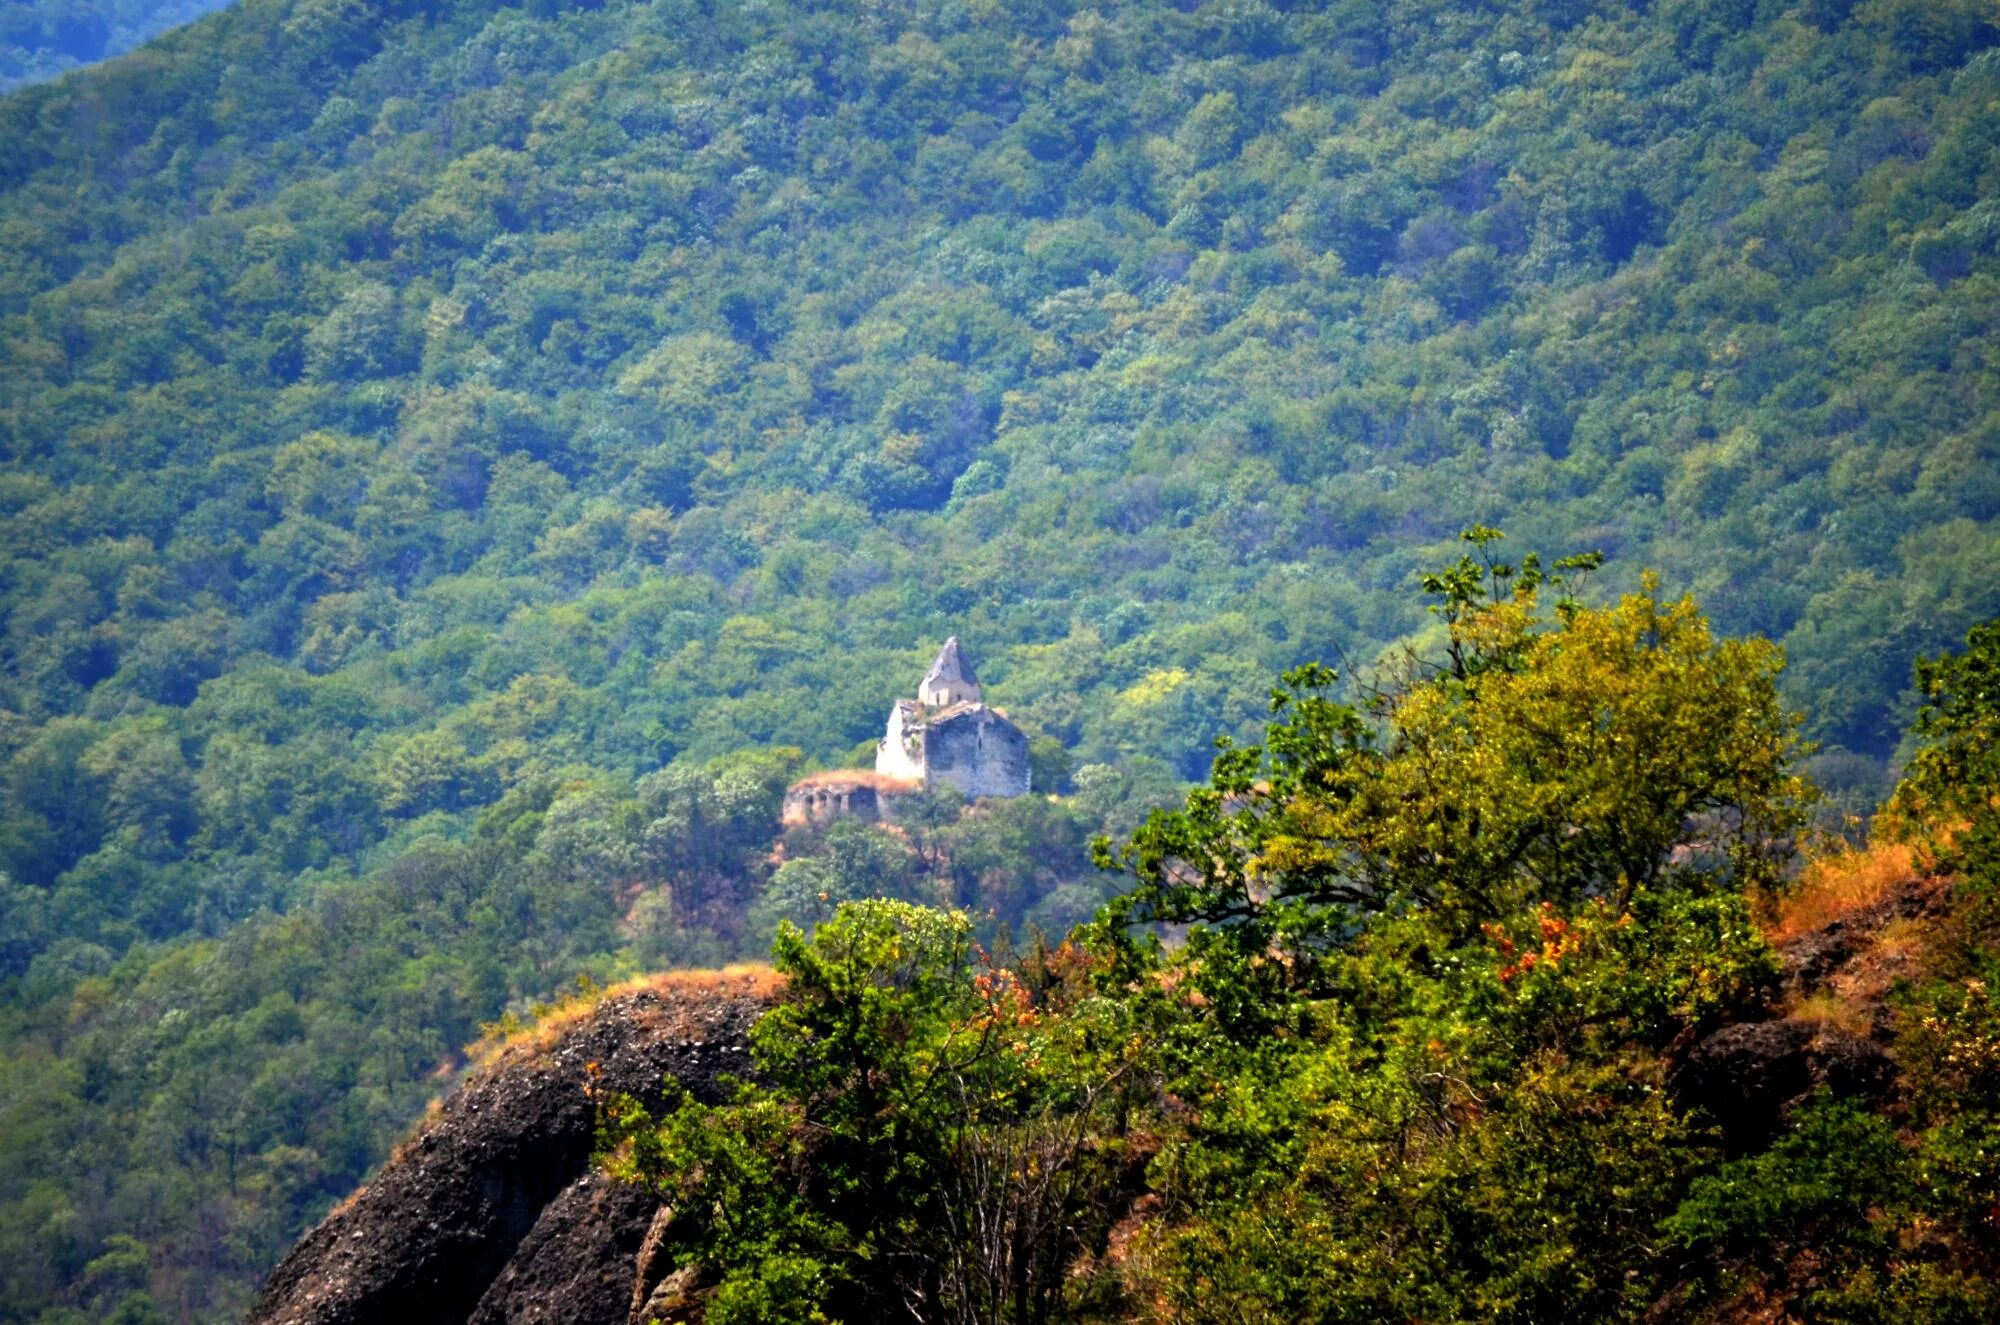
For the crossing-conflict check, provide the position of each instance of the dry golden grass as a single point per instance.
(1838, 885)
(858, 777)
(433, 1111)
(349, 1201)
(1830, 1009)
(1904, 937)
(513, 1038)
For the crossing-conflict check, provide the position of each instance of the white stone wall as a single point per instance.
(979, 752)
(943, 694)
(893, 756)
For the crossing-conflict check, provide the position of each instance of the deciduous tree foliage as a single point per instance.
(411, 411)
(924, 1138)
(1952, 776)
(1353, 1101)
(1548, 757)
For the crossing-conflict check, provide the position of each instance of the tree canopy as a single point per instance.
(1547, 757)
(444, 442)
(1419, 1054)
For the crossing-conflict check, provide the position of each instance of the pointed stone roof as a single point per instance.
(951, 665)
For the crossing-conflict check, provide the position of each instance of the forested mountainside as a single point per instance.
(1501, 1001)
(462, 461)
(42, 38)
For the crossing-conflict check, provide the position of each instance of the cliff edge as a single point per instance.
(491, 1212)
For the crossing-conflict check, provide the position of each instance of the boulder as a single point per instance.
(492, 1213)
(1748, 1077)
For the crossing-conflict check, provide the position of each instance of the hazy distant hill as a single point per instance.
(42, 38)
(421, 420)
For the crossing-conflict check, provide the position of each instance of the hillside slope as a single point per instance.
(710, 358)
(442, 441)
(490, 1214)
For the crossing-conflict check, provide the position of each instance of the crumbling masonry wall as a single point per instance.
(977, 751)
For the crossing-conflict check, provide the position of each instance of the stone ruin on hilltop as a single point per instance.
(946, 736)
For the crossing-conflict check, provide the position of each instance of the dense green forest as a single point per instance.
(42, 38)
(1453, 953)
(1425, 1051)
(461, 460)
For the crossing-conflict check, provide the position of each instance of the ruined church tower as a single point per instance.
(950, 679)
(948, 734)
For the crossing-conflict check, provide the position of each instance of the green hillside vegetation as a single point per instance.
(461, 461)
(173, 1116)
(1417, 1059)
(40, 39)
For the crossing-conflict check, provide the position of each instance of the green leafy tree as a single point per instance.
(360, 338)
(1954, 773)
(1588, 753)
(1440, 945)
(917, 1142)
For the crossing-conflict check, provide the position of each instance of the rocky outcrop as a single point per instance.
(1847, 955)
(577, 1263)
(1748, 1077)
(491, 1213)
